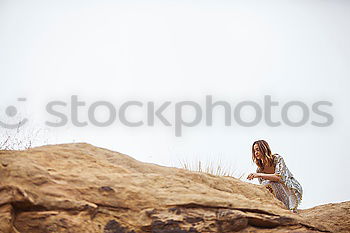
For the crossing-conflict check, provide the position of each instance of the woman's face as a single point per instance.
(257, 152)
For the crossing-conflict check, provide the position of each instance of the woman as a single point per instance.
(273, 173)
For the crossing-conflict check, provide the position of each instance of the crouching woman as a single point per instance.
(273, 173)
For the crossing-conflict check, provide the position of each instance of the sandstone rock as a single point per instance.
(335, 216)
(82, 188)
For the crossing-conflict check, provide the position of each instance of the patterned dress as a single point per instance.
(289, 190)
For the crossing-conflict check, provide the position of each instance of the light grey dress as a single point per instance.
(289, 190)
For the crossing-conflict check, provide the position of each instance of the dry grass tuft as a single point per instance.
(213, 168)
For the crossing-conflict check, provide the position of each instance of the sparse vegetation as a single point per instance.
(21, 138)
(216, 169)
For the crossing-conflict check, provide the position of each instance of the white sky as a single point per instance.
(179, 50)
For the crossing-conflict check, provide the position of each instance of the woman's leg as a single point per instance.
(279, 191)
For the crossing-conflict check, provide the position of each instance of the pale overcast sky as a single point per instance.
(160, 51)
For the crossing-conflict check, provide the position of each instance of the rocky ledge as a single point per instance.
(81, 188)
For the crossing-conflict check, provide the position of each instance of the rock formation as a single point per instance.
(81, 188)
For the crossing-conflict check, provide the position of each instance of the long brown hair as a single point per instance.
(267, 156)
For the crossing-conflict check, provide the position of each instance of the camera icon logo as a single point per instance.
(11, 111)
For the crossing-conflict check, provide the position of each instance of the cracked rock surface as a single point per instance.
(81, 188)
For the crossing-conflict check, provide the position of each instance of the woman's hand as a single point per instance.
(252, 176)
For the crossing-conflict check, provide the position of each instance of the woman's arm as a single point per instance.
(272, 177)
